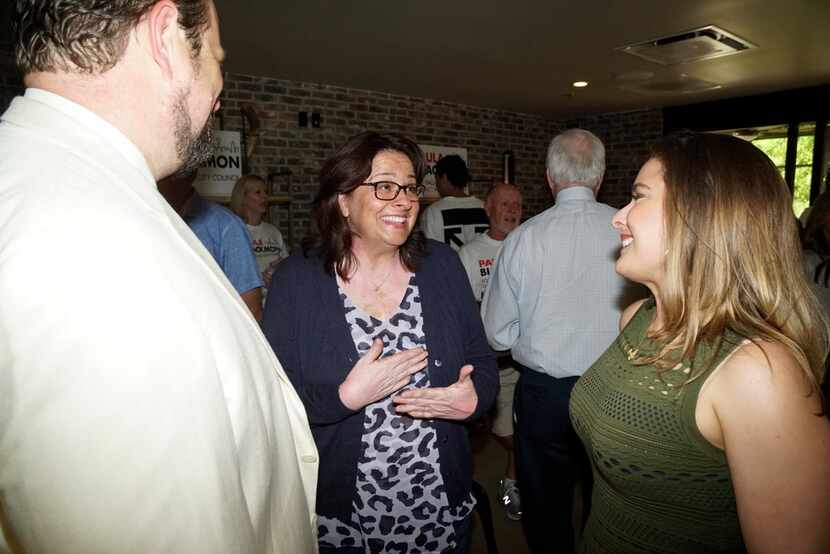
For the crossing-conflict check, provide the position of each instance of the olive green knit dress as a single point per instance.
(659, 486)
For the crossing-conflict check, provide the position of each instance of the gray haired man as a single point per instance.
(554, 300)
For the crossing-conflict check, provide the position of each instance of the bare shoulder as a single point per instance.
(629, 312)
(762, 377)
(764, 365)
(777, 445)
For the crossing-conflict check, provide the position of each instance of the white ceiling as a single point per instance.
(523, 55)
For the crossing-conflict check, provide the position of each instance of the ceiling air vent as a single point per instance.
(689, 46)
(681, 84)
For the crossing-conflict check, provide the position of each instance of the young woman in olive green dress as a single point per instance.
(704, 420)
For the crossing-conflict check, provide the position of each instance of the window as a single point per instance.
(796, 167)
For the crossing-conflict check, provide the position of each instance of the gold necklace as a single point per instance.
(378, 286)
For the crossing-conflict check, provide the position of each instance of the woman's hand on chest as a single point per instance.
(455, 402)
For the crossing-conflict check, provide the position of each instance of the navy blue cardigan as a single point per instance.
(305, 323)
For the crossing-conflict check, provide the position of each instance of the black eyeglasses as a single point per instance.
(388, 190)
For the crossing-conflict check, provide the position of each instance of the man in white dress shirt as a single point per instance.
(554, 299)
(142, 408)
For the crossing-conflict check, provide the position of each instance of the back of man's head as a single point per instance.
(454, 168)
(576, 158)
(89, 36)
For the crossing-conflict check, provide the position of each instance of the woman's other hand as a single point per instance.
(458, 401)
(373, 378)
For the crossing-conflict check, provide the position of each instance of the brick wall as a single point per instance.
(344, 112)
(486, 133)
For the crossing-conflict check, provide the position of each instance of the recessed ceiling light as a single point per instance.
(580, 84)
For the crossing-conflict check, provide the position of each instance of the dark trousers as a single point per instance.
(550, 460)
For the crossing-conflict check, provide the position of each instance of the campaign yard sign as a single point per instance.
(217, 176)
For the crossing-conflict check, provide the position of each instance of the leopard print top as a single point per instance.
(401, 502)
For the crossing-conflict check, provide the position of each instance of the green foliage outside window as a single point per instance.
(776, 149)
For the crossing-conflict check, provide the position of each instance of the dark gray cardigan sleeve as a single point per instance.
(445, 276)
(288, 327)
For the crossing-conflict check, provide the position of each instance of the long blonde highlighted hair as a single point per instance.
(240, 188)
(733, 257)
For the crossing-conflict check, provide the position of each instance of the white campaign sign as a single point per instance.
(433, 154)
(217, 176)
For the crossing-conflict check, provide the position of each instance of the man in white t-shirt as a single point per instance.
(504, 209)
(457, 217)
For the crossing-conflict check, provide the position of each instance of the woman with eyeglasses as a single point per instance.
(378, 331)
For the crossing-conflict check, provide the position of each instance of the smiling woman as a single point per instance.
(703, 419)
(379, 333)
(643, 260)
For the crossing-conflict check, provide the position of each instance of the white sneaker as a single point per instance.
(509, 492)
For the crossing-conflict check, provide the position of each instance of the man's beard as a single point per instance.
(191, 150)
